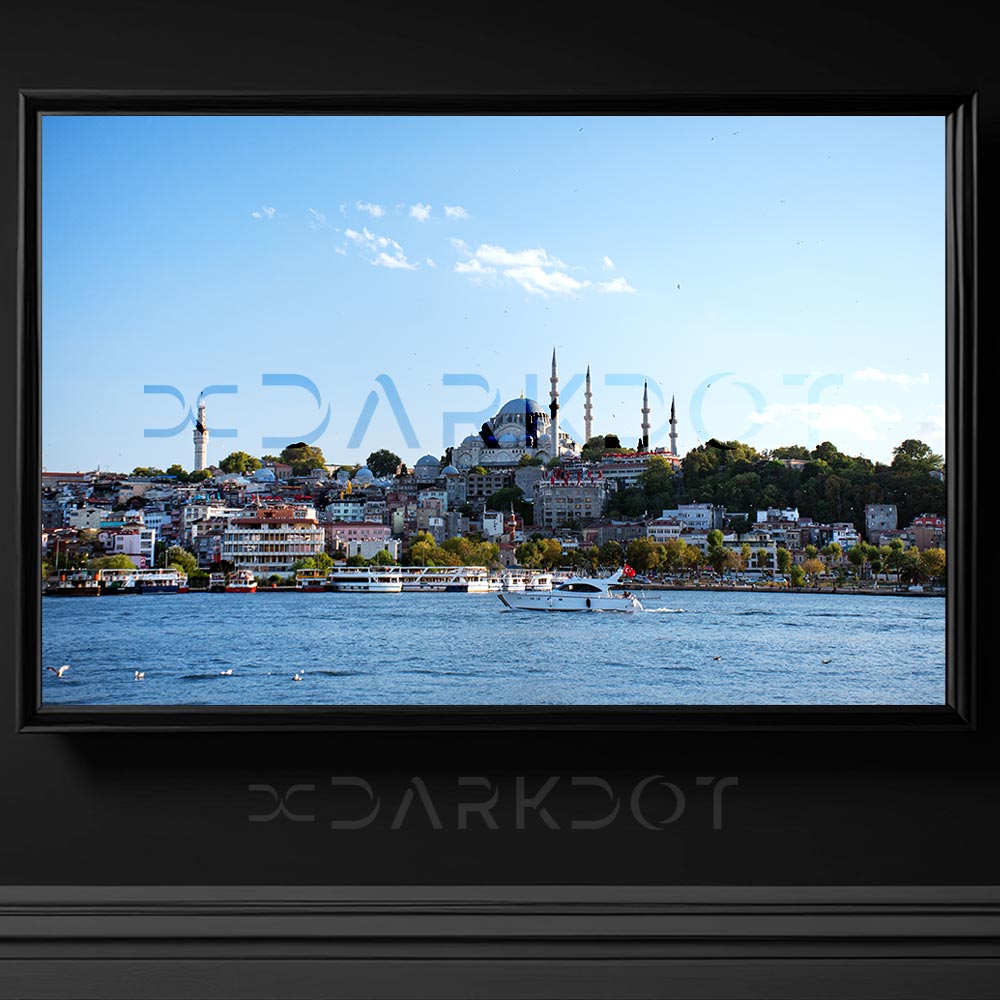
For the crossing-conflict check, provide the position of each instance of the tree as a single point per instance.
(239, 462)
(763, 559)
(643, 554)
(384, 463)
(146, 472)
(303, 458)
(798, 575)
(933, 563)
(479, 470)
(914, 455)
(178, 472)
(612, 443)
(119, 561)
(179, 558)
(611, 554)
(813, 567)
(199, 475)
(383, 557)
(833, 551)
(784, 558)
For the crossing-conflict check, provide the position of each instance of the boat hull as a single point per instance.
(553, 601)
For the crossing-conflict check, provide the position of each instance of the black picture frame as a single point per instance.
(961, 368)
(858, 862)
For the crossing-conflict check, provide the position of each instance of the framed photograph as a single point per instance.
(225, 332)
(642, 400)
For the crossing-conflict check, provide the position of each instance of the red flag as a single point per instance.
(628, 571)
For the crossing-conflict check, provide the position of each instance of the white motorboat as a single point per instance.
(578, 593)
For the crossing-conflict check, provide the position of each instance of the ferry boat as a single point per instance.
(241, 581)
(311, 580)
(578, 593)
(157, 581)
(445, 579)
(76, 584)
(217, 583)
(365, 580)
(117, 581)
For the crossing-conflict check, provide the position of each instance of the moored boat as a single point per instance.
(241, 581)
(365, 580)
(311, 580)
(78, 584)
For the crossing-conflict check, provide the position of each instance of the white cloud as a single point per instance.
(375, 211)
(266, 212)
(420, 212)
(862, 421)
(538, 281)
(318, 220)
(341, 250)
(430, 262)
(460, 245)
(393, 261)
(901, 378)
(931, 428)
(473, 267)
(385, 250)
(455, 212)
(618, 284)
(608, 263)
(536, 257)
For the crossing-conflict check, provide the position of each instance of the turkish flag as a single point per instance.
(628, 571)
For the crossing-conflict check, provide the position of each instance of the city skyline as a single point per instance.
(782, 277)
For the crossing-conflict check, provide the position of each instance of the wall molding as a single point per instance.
(489, 941)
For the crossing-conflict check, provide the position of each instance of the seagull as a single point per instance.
(60, 671)
(139, 675)
(716, 657)
(227, 673)
(826, 661)
(296, 678)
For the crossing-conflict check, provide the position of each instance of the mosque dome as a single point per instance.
(450, 470)
(518, 407)
(428, 460)
(363, 475)
(506, 440)
(264, 475)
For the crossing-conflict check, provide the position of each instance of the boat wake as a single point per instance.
(665, 611)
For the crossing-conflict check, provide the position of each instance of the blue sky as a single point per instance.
(782, 277)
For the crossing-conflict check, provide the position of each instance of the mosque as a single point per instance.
(523, 427)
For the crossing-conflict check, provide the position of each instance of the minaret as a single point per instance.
(554, 407)
(645, 416)
(588, 410)
(200, 437)
(673, 427)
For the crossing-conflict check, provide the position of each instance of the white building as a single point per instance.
(347, 509)
(138, 543)
(492, 524)
(696, 516)
(271, 540)
(89, 518)
(663, 529)
(370, 549)
(778, 514)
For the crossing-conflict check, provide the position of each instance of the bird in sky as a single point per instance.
(60, 671)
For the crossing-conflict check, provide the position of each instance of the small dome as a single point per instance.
(521, 407)
(364, 475)
(428, 460)
(450, 470)
(506, 440)
(264, 476)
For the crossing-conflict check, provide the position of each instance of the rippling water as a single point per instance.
(437, 649)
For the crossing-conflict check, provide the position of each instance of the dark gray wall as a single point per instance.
(816, 808)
